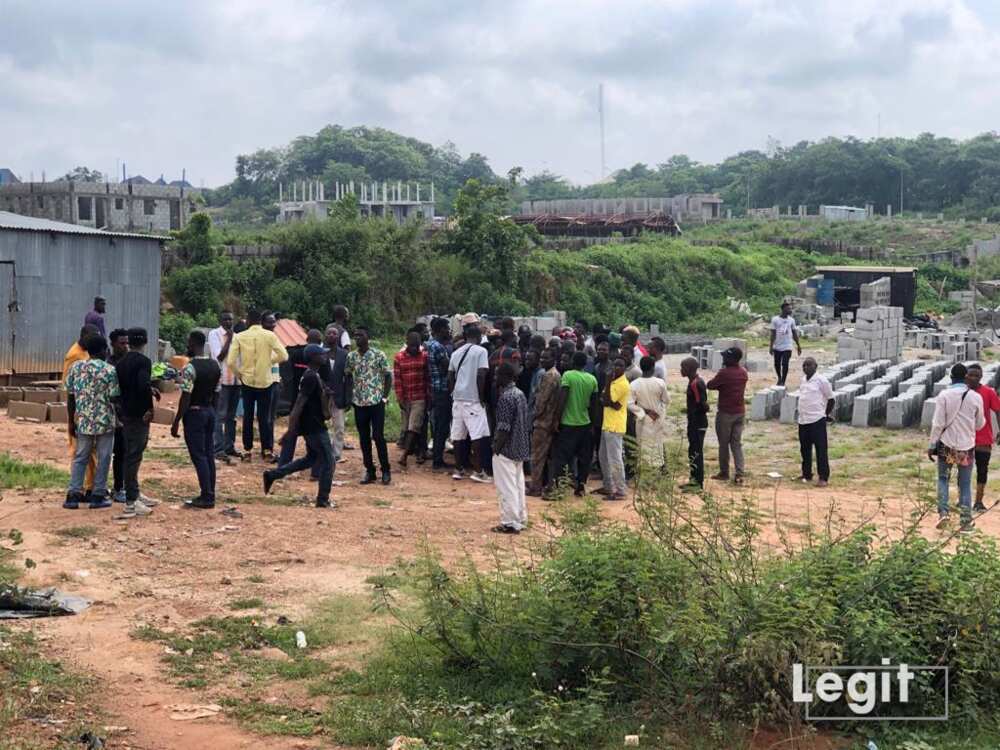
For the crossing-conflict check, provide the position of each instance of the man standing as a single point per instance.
(78, 353)
(527, 374)
(615, 398)
(697, 423)
(958, 415)
(250, 357)
(467, 376)
(577, 403)
(731, 383)
(816, 404)
(119, 348)
(544, 400)
(299, 368)
(783, 335)
(342, 318)
(984, 437)
(510, 451)
(96, 316)
(269, 321)
(409, 369)
(336, 382)
(308, 419)
(220, 341)
(199, 382)
(658, 351)
(91, 387)
(134, 372)
(648, 403)
(438, 357)
(369, 382)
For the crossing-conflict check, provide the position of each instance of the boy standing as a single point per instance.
(697, 422)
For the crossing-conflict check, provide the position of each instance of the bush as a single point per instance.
(200, 288)
(175, 327)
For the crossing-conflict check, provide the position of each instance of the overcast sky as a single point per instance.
(177, 84)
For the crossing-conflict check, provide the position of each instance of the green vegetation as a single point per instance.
(77, 532)
(254, 602)
(15, 473)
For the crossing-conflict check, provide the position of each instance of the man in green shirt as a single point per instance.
(576, 407)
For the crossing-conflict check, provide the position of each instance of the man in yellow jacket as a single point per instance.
(250, 356)
(74, 354)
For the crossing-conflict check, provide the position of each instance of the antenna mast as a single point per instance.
(600, 111)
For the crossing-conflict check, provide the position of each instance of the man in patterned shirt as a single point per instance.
(510, 451)
(369, 380)
(91, 387)
(409, 369)
(438, 356)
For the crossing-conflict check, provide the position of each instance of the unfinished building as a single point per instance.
(400, 201)
(119, 207)
(684, 207)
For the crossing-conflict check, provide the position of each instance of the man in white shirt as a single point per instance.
(815, 407)
(783, 335)
(219, 341)
(958, 415)
(467, 372)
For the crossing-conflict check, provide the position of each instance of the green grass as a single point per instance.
(171, 456)
(76, 532)
(256, 578)
(15, 473)
(251, 603)
(273, 719)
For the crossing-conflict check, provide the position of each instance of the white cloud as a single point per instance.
(194, 83)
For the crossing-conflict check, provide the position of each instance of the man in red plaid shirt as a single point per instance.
(413, 386)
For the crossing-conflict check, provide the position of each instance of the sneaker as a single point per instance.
(199, 504)
(149, 502)
(822, 483)
(386, 476)
(224, 458)
(99, 502)
(602, 491)
(979, 508)
(720, 477)
(268, 482)
(119, 496)
(247, 457)
(482, 477)
(326, 504)
(72, 502)
(504, 529)
(368, 478)
(138, 508)
(968, 527)
(943, 519)
(615, 497)
(458, 475)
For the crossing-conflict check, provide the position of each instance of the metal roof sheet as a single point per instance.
(290, 333)
(10, 220)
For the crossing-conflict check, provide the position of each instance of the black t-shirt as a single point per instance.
(311, 420)
(697, 403)
(134, 370)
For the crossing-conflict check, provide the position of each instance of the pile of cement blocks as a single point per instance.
(957, 346)
(775, 402)
(876, 294)
(710, 357)
(991, 377)
(34, 404)
(878, 334)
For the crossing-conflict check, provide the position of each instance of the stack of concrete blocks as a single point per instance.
(893, 376)
(991, 377)
(876, 294)
(958, 345)
(843, 399)
(719, 346)
(878, 334)
(925, 376)
(766, 404)
(964, 298)
(710, 357)
(789, 413)
(870, 406)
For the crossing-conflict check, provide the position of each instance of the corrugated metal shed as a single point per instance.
(50, 273)
(290, 333)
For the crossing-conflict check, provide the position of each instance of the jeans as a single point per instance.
(319, 454)
(199, 435)
(612, 458)
(136, 433)
(337, 418)
(781, 360)
(370, 421)
(729, 430)
(258, 399)
(85, 444)
(811, 435)
(964, 488)
(272, 413)
(225, 422)
(118, 460)
(696, 453)
(441, 410)
(573, 442)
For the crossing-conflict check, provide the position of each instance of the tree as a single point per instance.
(83, 174)
(194, 245)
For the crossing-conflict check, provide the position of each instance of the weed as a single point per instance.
(256, 578)
(273, 719)
(76, 532)
(251, 603)
(16, 473)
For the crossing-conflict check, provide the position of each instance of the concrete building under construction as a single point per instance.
(684, 207)
(398, 200)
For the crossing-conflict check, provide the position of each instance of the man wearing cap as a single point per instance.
(467, 375)
(730, 417)
(308, 419)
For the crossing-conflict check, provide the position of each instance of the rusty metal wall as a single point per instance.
(57, 277)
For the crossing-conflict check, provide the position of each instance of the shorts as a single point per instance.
(468, 420)
(413, 415)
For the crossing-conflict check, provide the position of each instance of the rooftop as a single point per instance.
(289, 332)
(31, 224)
(865, 269)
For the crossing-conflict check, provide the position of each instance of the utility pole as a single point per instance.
(600, 112)
(900, 192)
(748, 194)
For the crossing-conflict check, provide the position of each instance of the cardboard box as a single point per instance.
(162, 415)
(29, 410)
(58, 412)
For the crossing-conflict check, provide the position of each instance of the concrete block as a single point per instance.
(40, 395)
(29, 410)
(162, 415)
(10, 393)
(927, 414)
(869, 408)
(58, 412)
(789, 408)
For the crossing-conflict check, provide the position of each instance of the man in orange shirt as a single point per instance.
(77, 353)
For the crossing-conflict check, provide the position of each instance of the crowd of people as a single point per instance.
(532, 415)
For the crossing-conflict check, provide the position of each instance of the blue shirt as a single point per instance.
(438, 356)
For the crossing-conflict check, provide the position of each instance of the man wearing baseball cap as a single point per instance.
(730, 416)
(308, 420)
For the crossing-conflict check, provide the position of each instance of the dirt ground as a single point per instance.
(178, 566)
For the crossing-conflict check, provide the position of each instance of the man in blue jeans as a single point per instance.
(308, 421)
(958, 415)
(199, 383)
(91, 387)
(439, 350)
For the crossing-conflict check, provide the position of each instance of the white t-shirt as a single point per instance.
(660, 369)
(783, 328)
(813, 395)
(345, 339)
(466, 378)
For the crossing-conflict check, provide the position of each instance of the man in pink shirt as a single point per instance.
(984, 436)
